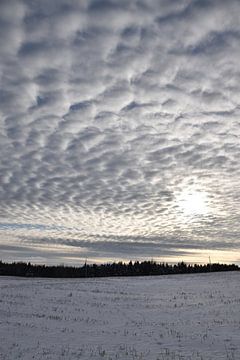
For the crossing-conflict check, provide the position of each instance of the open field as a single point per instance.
(193, 317)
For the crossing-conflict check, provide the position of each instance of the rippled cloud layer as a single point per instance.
(119, 130)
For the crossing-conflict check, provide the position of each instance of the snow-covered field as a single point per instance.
(167, 317)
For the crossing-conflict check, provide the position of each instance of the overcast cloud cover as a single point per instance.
(111, 114)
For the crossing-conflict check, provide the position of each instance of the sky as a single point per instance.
(119, 130)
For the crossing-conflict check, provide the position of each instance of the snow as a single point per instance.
(176, 317)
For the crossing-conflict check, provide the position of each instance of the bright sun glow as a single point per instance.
(193, 202)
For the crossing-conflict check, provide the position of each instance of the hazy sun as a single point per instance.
(192, 202)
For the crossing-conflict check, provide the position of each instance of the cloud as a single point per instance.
(109, 111)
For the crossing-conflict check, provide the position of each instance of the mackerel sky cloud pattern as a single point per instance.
(110, 111)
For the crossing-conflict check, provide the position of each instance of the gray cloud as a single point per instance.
(111, 114)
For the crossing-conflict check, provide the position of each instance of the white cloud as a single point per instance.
(108, 110)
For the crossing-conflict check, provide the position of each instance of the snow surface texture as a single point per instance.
(167, 317)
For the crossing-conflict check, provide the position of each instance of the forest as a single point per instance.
(144, 268)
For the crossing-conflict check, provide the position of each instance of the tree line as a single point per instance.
(136, 268)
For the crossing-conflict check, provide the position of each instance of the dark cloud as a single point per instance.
(113, 116)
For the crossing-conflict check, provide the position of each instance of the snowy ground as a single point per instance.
(167, 317)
